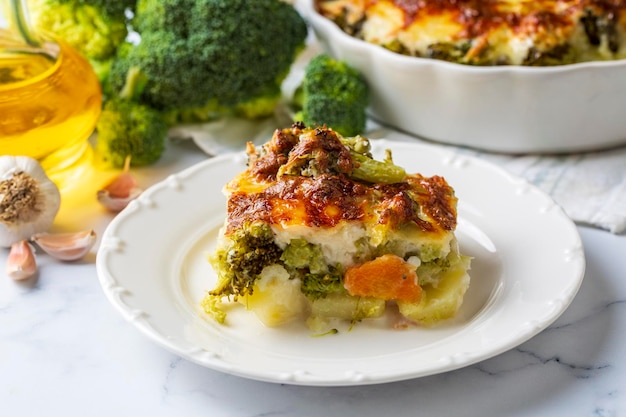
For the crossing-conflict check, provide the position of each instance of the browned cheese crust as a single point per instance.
(264, 193)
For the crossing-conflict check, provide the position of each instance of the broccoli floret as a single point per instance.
(94, 27)
(448, 51)
(242, 258)
(333, 94)
(306, 261)
(205, 58)
(169, 15)
(128, 129)
(174, 79)
(212, 305)
(316, 286)
(300, 254)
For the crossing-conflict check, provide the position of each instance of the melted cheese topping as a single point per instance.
(331, 197)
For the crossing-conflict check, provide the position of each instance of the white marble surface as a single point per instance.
(64, 351)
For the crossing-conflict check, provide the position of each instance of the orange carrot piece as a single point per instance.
(387, 277)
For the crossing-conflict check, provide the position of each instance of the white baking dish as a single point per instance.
(511, 109)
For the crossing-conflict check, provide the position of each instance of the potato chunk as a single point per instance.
(440, 302)
(276, 299)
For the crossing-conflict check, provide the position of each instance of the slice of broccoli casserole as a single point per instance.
(316, 228)
(493, 32)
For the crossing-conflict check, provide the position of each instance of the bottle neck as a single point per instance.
(19, 19)
(17, 35)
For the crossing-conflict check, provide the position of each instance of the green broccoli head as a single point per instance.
(219, 56)
(129, 129)
(94, 27)
(249, 48)
(170, 15)
(333, 94)
(175, 80)
(241, 259)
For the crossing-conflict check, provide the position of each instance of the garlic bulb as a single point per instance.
(29, 200)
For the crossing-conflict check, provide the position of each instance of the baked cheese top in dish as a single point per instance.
(319, 230)
(488, 32)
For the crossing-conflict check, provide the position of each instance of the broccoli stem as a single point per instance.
(134, 85)
(374, 171)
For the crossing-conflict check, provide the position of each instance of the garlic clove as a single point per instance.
(66, 246)
(21, 262)
(122, 186)
(117, 204)
(117, 194)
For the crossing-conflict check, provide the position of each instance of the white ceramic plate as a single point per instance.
(528, 265)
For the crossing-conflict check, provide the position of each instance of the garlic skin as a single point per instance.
(29, 200)
(21, 262)
(66, 246)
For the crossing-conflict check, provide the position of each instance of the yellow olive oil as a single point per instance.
(48, 108)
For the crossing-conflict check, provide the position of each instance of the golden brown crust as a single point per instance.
(331, 197)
